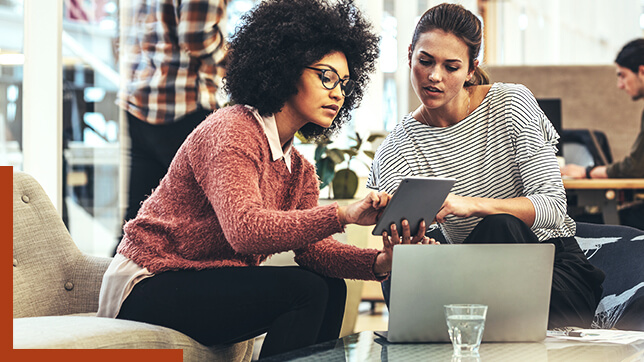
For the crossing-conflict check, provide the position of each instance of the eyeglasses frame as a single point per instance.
(340, 80)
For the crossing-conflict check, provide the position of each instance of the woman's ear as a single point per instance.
(409, 53)
(471, 72)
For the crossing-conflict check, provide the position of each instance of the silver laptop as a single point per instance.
(513, 280)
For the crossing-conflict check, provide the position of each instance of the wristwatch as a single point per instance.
(588, 170)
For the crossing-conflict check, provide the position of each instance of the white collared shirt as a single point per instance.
(270, 129)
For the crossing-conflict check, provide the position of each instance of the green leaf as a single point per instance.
(374, 137)
(325, 168)
(336, 155)
(319, 151)
(301, 138)
(369, 154)
(351, 152)
(358, 142)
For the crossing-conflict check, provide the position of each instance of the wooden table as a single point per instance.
(603, 193)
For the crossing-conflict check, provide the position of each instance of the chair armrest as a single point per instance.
(87, 278)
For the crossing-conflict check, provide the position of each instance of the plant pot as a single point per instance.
(345, 184)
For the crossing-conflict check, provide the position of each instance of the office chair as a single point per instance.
(585, 147)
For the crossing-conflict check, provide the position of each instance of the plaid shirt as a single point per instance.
(174, 58)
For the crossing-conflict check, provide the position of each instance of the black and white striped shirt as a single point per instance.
(504, 149)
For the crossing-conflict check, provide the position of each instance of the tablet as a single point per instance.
(417, 198)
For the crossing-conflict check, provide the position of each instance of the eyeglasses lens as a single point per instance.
(348, 86)
(330, 80)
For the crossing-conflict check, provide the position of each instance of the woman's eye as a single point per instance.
(424, 61)
(452, 69)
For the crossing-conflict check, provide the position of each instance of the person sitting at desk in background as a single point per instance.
(238, 191)
(630, 78)
(175, 58)
(499, 145)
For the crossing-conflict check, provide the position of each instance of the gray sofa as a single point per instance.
(56, 287)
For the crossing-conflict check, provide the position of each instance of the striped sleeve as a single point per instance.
(535, 141)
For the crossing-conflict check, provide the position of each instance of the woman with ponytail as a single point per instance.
(498, 144)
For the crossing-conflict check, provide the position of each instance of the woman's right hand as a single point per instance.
(366, 211)
(383, 262)
(406, 237)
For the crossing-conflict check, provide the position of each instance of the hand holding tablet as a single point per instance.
(417, 198)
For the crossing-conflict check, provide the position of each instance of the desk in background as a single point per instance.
(607, 194)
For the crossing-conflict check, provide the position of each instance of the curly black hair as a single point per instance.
(277, 39)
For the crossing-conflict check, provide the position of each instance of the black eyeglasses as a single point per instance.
(330, 79)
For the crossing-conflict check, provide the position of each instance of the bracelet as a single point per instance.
(588, 170)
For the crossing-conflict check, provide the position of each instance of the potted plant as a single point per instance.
(344, 182)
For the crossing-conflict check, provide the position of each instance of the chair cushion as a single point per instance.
(85, 332)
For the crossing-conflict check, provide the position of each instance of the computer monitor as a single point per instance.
(552, 108)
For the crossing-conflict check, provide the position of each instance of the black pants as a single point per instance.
(152, 148)
(296, 307)
(576, 284)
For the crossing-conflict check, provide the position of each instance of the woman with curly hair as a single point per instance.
(237, 192)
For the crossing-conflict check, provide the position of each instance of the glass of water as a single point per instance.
(465, 323)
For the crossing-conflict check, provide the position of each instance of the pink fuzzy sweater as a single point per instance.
(224, 202)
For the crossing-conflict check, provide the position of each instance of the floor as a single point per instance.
(368, 320)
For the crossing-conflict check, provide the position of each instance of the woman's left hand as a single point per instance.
(383, 261)
(458, 206)
(461, 206)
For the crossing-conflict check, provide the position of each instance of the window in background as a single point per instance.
(235, 9)
(642, 18)
(523, 32)
(91, 153)
(11, 66)
(389, 65)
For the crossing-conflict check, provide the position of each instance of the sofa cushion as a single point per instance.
(88, 332)
(617, 250)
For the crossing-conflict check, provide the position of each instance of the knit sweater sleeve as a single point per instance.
(337, 260)
(330, 257)
(231, 169)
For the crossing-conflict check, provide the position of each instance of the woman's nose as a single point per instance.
(336, 93)
(434, 76)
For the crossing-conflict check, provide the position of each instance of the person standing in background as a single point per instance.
(175, 60)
